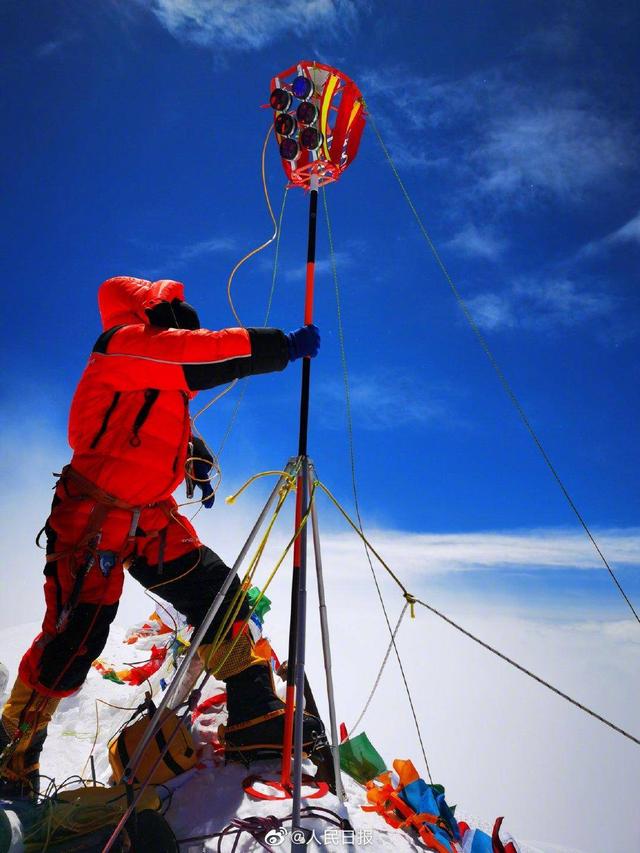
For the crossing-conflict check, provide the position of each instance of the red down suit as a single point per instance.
(129, 429)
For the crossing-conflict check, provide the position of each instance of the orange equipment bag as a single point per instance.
(178, 758)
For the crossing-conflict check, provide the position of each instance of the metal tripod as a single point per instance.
(291, 777)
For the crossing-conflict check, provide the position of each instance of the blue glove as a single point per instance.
(303, 342)
(202, 464)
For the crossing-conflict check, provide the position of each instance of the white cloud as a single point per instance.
(179, 256)
(492, 310)
(476, 242)
(540, 305)
(55, 45)
(49, 47)
(562, 147)
(414, 555)
(510, 139)
(627, 233)
(384, 401)
(205, 247)
(407, 108)
(561, 39)
(423, 554)
(249, 24)
(422, 102)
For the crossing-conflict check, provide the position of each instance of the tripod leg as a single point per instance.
(184, 666)
(172, 690)
(301, 627)
(326, 648)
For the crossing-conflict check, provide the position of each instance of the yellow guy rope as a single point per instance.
(272, 574)
(241, 594)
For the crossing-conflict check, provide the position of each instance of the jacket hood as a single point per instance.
(124, 300)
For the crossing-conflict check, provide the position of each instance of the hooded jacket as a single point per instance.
(129, 422)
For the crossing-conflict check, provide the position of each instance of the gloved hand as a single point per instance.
(303, 342)
(202, 464)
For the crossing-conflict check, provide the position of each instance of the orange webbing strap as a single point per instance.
(381, 796)
(388, 803)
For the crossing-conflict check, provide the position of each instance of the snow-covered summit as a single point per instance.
(204, 800)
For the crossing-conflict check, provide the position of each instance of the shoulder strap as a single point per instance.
(103, 341)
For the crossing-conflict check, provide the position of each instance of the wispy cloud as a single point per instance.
(629, 233)
(540, 305)
(433, 553)
(249, 24)
(423, 102)
(477, 242)
(55, 45)
(561, 147)
(408, 108)
(413, 554)
(502, 134)
(560, 38)
(382, 402)
(205, 247)
(176, 257)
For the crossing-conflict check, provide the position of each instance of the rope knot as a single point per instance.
(411, 601)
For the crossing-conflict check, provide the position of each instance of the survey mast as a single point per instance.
(318, 117)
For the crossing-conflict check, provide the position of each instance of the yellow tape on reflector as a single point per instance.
(354, 112)
(330, 88)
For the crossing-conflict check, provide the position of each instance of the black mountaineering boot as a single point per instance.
(255, 726)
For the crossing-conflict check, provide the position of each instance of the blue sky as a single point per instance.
(135, 134)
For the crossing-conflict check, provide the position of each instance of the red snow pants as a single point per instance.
(88, 546)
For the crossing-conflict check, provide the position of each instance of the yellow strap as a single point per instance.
(240, 595)
(271, 576)
(411, 601)
(354, 112)
(329, 90)
(231, 499)
(346, 515)
(261, 719)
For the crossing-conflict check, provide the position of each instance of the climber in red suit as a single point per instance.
(129, 429)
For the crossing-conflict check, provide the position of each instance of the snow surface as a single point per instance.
(206, 799)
